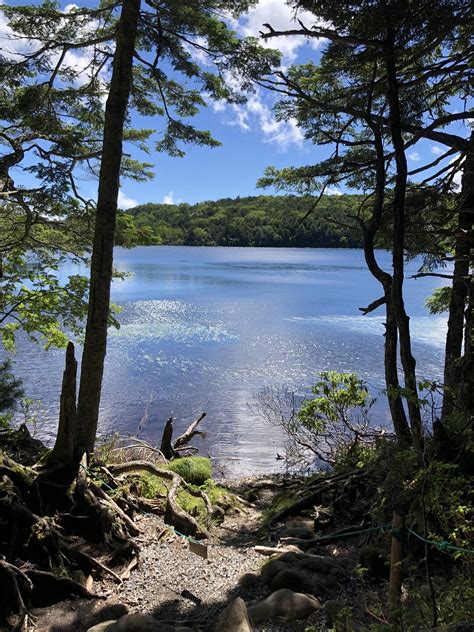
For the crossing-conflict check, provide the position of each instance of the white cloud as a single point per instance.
(124, 202)
(457, 179)
(333, 191)
(415, 156)
(281, 17)
(11, 47)
(256, 114)
(169, 198)
(436, 150)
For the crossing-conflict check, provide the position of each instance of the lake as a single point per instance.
(205, 329)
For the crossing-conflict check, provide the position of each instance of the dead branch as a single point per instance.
(188, 434)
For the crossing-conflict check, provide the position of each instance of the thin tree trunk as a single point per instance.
(460, 288)
(102, 255)
(467, 376)
(399, 420)
(398, 211)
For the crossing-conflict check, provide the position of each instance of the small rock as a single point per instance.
(284, 604)
(234, 618)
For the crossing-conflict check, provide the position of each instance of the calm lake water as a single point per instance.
(205, 329)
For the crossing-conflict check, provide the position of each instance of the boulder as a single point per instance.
(234, 618)
(298, 581)
(271, 569)
(313, 574)
(284, 604)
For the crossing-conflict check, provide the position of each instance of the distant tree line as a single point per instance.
(264, 220)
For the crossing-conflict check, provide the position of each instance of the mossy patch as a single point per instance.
(152, 486)
(195, 470)
(279, 502)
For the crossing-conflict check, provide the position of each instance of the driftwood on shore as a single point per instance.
(171, 449)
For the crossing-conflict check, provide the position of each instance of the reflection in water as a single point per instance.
(204, 329)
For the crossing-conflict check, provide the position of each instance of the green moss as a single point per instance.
(152, 486)
(220, 495)
(195, 470)
(193, 505)
(279, 502)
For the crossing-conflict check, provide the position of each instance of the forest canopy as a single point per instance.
(264, 220)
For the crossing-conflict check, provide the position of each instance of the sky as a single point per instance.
(251, 137)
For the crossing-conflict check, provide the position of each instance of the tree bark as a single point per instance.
(399, 420)
(63, 451)
(398, 213)
(460, 316)
(102, 255)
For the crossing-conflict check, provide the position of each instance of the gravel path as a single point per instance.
(173, 583)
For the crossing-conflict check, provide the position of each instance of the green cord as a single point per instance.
(442, 545)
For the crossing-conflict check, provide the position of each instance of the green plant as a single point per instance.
(11, 391)
(332, 425)
(195, 470)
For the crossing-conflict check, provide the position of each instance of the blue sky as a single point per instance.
(251, 137)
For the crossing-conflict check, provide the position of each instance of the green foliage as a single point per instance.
(438, 302)
(251, 221)
(434, 496)
(195, 470)
(330, 425)
(335, 396)
(10, 392)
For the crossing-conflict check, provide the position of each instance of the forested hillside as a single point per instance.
(263, 220)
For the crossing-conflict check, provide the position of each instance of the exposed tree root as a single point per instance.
(50, 515)
(174, 514)
(38, 557)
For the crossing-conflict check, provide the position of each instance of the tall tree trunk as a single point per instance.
(399, 420)
(460, 289)
(102, 255)
(398, 212)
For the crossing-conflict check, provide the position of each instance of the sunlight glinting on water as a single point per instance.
(206, 329)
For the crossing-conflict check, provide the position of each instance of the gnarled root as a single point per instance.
(174, 514)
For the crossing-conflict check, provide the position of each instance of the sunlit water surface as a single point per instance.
(206, 329)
